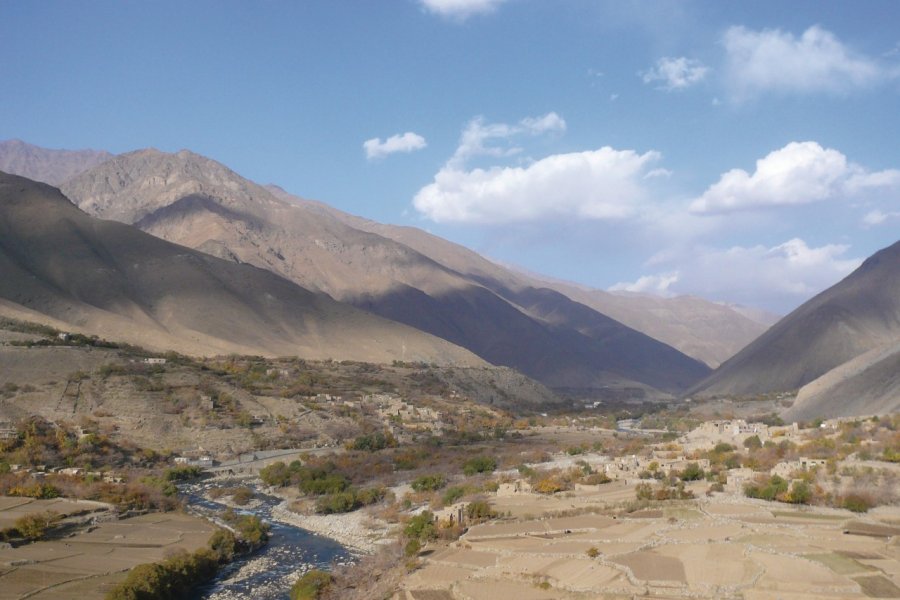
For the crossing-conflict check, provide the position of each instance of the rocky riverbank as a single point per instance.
(357, 531)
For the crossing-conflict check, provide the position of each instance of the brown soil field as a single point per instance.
(12, 508)
(87, 565)
(719, 547)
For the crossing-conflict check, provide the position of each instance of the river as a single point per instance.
(268, 573)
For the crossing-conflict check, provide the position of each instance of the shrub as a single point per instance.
(452, 494)
(242, 495)
(421, 527)
(182, 473)
(592, 552)
(692, 472)
(596, 479)
(278, 474)
(429, 483)
(33, 526)
(800, 493)
(373, 442)
(643, 491)
(311, 585)
(766, 488)
(858, 503)
(480, 510)
(549, 485)
(479, 464)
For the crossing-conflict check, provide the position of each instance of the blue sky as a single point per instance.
(744, 152)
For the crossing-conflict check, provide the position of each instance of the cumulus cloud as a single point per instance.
(649, 284)
(775, 60)
(675, 73)
(799, 173)
(461, 10)
(596, 184)
(778, 277)
(406, 142)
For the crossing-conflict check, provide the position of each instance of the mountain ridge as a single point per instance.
(379, 274)
(856, 315)
(112, 279)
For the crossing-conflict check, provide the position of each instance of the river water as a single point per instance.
(268, 573)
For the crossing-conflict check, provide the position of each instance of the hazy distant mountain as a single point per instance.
(704, 330)
(708, 331)
(858, 314)
(114, 280)
(866, 385)
(197, 202)
(43, 164)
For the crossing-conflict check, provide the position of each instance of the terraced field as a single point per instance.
(723, 547)
(86, 565)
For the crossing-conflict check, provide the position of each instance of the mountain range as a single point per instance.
(562, 334)
(110, 279)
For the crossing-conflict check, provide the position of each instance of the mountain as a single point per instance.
(866, 385)
(194, 201)
(704, 330)
(46, 165)
(114, 280)
(856, 315)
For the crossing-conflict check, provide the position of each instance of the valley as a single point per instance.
(297, 398)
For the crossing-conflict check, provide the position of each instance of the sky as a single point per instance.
(744, 152)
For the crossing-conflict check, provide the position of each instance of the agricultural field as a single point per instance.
(717, 547)
(90, 563)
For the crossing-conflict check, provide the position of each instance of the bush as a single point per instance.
(33, 526)
(753, 442)
(373, 442)
(182, 473)
(858, 503)
(479, 464)
(480, 510)
(242, 496)
(251, 531)
(643, 491)
(800, 493)
(340, 502)
(429, 483)
(766, 488)
(311, 585)
(452, 494)
(421, 527)
(549, 485)
(596, 479)
(175, 577)
(692, 472)
(276, 475)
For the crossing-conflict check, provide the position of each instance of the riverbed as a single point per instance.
(268, 573)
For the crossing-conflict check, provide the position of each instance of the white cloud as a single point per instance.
(774, 60)
(476, 138)
(660, 172)
(461, 10)
(778, 277)
(596, 184)
(799, 173)
(675, 73)
(649, 284)
(877, 217)
(549, 122)
(407, 142)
